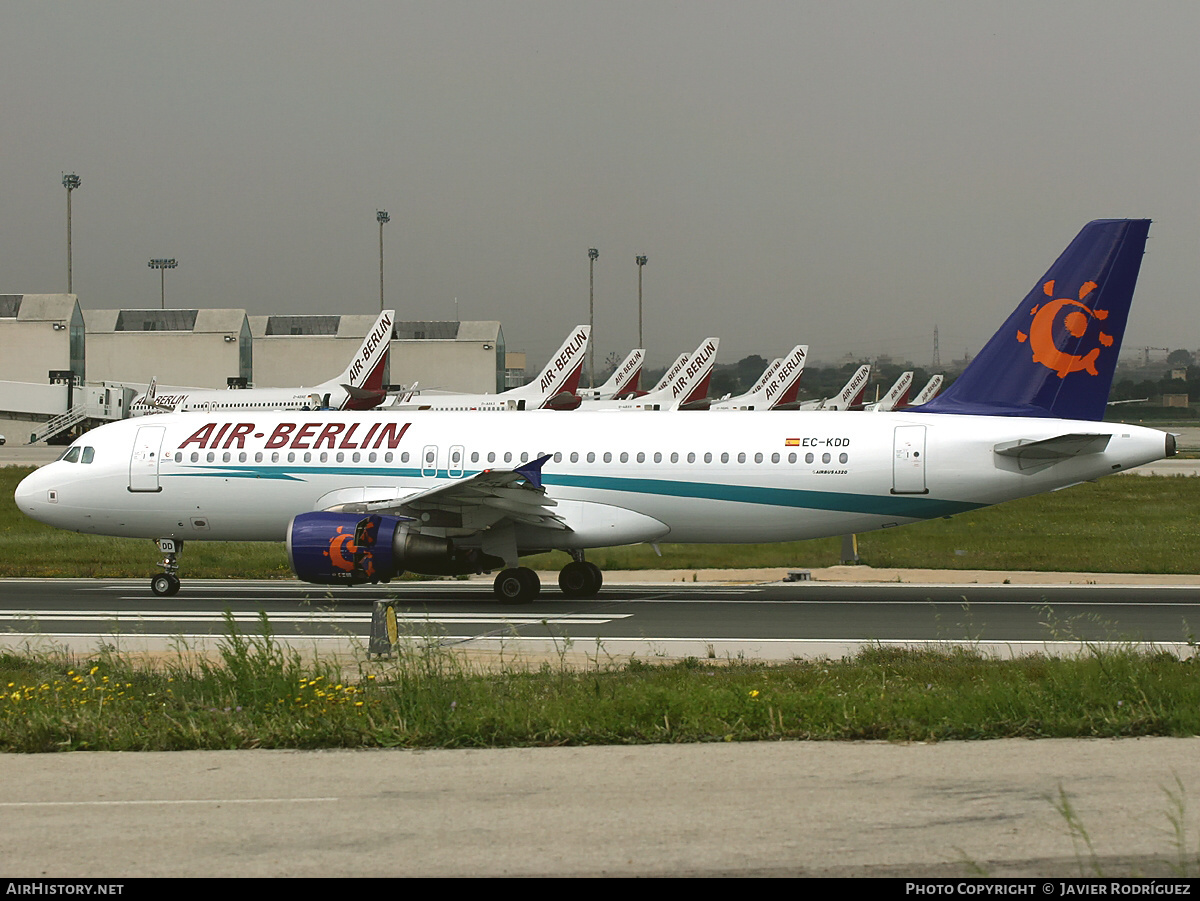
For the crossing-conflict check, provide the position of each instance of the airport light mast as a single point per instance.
(162, 265)
(593, 253)
(384, 218)
(70, 182)
(641, 261)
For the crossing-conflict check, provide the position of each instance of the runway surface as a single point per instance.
(771, 620)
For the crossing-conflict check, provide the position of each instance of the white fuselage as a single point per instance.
(199, 400)
(759, 477)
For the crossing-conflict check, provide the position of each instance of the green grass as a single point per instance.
(1119, 524)
(260, 695)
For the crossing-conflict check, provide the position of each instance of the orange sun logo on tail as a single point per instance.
(1041, 332)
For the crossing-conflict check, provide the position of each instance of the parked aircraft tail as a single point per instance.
(555, 386)
(929, 392)
(624, 381)
(897, 395)
(362, 380)
(1056, 354)
(689, 389)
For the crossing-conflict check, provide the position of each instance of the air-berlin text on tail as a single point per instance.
(381, 333)
(297, 436)
(634, 362)
(783, 375)
(694, 365)
(856, 385)
(559, 363)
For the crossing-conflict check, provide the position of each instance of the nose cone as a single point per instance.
(32, 495)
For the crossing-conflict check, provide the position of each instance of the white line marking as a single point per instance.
(165, 802)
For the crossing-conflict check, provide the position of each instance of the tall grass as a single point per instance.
(256, 693)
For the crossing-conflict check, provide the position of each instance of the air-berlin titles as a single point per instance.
(560, 363)
(779, 379)
(382, 332)
(295, 436)
(634, 361)
(694, 365)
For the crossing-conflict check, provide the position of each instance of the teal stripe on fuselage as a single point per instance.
(907, 506)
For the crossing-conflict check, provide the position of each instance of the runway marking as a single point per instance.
(314, 618)
(181, 801)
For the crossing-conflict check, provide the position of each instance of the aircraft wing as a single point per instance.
(475, 503)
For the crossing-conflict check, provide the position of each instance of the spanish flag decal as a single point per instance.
(791, 442)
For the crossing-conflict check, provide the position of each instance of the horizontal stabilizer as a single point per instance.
(1029, 454)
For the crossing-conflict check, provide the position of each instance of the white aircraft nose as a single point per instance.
(32, 494)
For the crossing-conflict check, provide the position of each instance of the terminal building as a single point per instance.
(64, 369)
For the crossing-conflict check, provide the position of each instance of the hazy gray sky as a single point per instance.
(846, 174)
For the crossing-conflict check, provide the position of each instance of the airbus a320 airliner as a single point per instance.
(362, 497)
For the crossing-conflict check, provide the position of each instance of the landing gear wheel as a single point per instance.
(580, 579)
(165, 585)
(517, 585)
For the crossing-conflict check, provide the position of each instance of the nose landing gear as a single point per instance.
(167, 583)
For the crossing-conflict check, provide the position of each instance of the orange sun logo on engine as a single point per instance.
(1041, 332)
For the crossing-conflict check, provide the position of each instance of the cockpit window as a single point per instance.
(88, 454)
(71, 456)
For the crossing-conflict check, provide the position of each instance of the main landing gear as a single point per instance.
(167, 583)
(578, 579)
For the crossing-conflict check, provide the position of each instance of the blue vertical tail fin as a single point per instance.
(1056, 354)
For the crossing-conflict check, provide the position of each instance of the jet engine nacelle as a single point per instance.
(350, 548)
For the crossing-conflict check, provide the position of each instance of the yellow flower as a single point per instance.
(754, 692)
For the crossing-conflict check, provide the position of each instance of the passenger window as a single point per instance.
(825, 458)
(291, 456)
(808, 458)
(195, 457)
(474, 456)
(641, 458)
(691, 458)
(758, 458)
(591, 457)
(524, 456)
(178, 456)
(307, 457)
(708, 457)
(508, 456)
(275, 456)
(324, 457)
(657, 457)
(387, 458)
(674, 457)
(742, 457)
(371, 457)
(210, 456)
(607, 456)
(403, 457)
(356, 457)
(225, 457)
(792, 457)
(258, 456)
(843, 458)
(491, 456)
(775, 457)
(624, 457)
(725, 458)
(242, 457)
(574, 456)
(558, 456)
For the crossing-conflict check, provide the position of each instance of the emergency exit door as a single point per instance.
(143, 464)
(908, 460)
